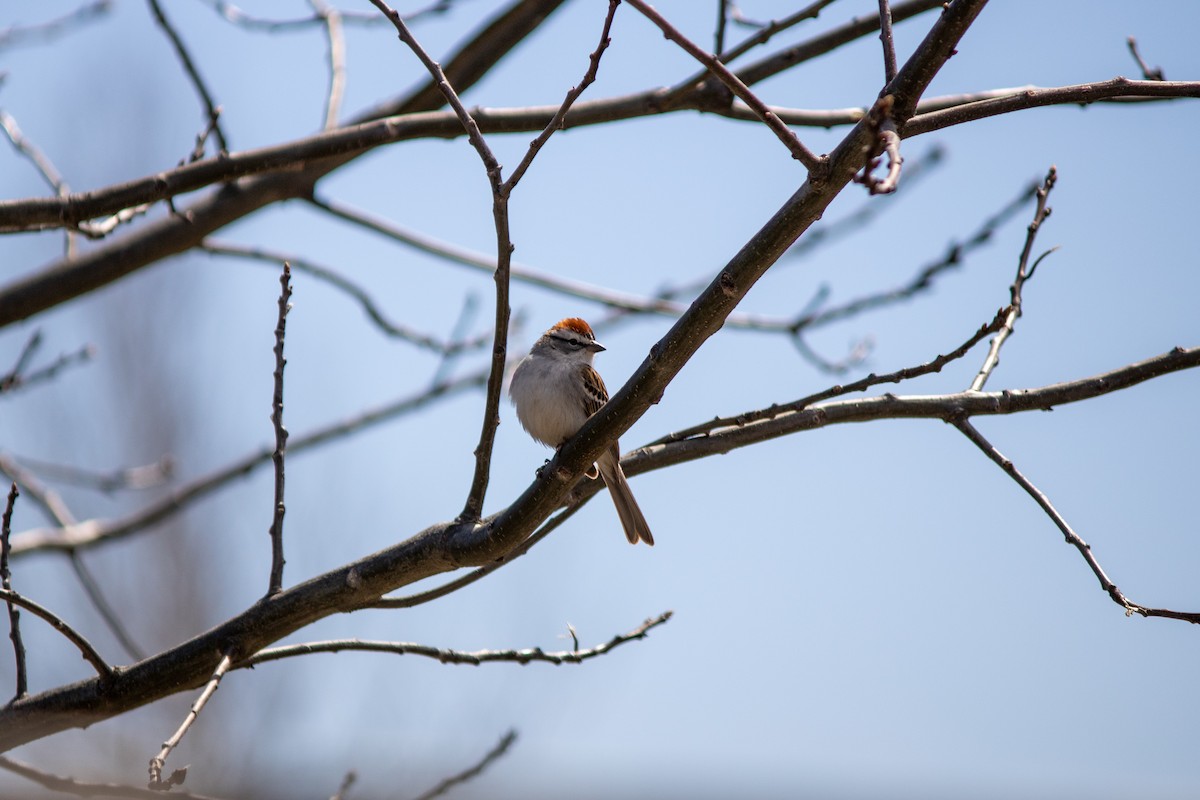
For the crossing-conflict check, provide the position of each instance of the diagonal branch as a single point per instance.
(159, 761)
(1073, 539)
(59, 282)
(811, 161)
(492, 756)
(1024, 273)
(52, 503)
(212, 113)
(360, 295)
(90, 655)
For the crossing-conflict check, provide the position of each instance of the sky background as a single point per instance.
(861, 611)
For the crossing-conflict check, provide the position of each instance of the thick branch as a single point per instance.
(428, 553)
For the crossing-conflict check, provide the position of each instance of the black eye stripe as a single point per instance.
(567, 339)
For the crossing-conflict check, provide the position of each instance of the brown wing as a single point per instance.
(594, 393)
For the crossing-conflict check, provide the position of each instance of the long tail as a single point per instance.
(632, 520)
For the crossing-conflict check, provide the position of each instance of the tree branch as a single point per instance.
(14, 616)
(210, 108)
(275, 582)
(156, 764)
(445, 656)
(811, 161)
(492, 756)
(1024, 272)
(106, 672)
(1073, 539)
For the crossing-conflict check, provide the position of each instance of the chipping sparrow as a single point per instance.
(555, 389)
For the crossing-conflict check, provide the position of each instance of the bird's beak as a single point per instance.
(596, 347)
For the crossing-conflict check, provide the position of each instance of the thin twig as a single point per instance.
(189, 66)
(52, 504)
(281, 435)
(889, 45)
(332, 18)
(344, 788)
(67, 785)
(446, 656)
(84, 646)
(907, 373)
(1024, 272)
(722, 21)
(492, 756)
(1155, 74)
(765, 32)
(42, 164)
(14, 616)
(360, 295)
(473, 506)
(556, 122)
(810, 160)
(32, 214)
(1072, 538)
(156, 764)
(15, 380)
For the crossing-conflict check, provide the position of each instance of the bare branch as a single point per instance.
(1024, 273)
(14, 616)
(811, 161)
(861, 385)
(332, 19)
(765, 32)
(65, 785)
(525, 656)
(360, 295)
(722, 20)
(189, 66)
(15, 380)
(1080, 94)
(90, 655)
(356, 585)
(156, 764)
(52, 503)
(492, 756)
(1155, 74)
(556, 122)
(344, 788)
(281, 434)
(889, 46)
(44, 213)
(1072, 538)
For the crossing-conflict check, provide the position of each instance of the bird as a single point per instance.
(555, 389)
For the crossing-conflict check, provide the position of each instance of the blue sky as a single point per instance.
(861, 611)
